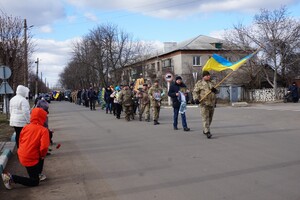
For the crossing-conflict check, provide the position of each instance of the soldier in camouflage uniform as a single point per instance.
(126, 101)
(155, 97)
(207, 105)
(144, 103)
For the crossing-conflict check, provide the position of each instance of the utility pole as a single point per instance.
(25, 55)
(36, 78)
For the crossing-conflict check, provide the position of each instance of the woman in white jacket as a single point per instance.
(19, 111)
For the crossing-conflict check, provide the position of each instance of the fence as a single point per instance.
(266, 95)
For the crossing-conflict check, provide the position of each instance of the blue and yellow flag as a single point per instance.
(218, 63)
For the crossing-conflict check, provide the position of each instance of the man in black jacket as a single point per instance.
(178, 93)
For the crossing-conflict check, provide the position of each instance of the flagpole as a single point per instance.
(226, 77)
(217, 85)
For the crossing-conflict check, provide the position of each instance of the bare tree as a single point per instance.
(11, 47)
(101, 54)
(278, 36)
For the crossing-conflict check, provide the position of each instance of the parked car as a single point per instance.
(45, 96)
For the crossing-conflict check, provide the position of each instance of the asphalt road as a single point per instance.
(254, 154)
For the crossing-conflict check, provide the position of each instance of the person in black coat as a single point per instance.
(179, 96)
(293, 89)
(108, 99)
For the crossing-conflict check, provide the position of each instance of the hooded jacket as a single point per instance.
(19, 108)
(34, 139)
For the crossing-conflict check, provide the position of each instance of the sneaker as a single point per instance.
(186, 129)
(7, 180)
(42, 177)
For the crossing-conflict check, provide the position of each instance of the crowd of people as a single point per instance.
(34, 138)
(146, 98)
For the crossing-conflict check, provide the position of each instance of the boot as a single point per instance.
(140, 117)
(155, 122)
(208, 135)
(186, 129)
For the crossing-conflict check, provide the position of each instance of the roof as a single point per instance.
(200, 42)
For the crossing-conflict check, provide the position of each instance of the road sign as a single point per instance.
(5, 88)
(5, 72)
(169, 77)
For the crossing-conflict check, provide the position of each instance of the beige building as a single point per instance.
(185, 59)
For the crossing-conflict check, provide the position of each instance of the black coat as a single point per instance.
(175, 88)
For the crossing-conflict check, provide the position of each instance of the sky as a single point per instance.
(56, 24)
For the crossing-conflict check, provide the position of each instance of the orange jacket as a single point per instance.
(34, 139)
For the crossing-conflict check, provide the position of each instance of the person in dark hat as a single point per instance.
(155, 94)
(178, 94)
(293, 90)
(205, 91)
(126, 101)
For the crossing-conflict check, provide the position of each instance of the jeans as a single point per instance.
(108, 106)
(175, 118)
(33, 173)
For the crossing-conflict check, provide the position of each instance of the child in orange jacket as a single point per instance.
(33, 147)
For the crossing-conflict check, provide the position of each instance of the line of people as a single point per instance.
(125, 98)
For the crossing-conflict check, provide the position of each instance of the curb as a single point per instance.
(7, 152)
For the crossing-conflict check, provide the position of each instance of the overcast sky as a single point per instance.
(57, 23)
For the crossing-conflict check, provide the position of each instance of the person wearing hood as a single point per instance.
(178, 94)
(19, 109)
(33, 147)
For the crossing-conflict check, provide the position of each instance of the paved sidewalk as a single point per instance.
(6, 150)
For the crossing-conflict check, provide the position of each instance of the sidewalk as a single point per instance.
(6, 150)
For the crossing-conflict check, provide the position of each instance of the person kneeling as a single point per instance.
(33, 146)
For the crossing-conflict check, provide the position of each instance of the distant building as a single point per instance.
(185, 59)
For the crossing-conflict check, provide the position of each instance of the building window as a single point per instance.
(167, 63)
(196, 61)
(158, 66)
(218, 45)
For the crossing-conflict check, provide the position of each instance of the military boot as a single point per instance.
(155, 122)
(140, 117)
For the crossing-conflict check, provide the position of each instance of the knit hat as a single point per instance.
(205, 73)
(43, 104)
(178, 78)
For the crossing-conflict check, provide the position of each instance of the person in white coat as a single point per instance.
(19, 111)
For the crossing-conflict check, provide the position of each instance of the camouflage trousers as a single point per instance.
(155, 110)
(128, 112)
(207, 113)
(144, 108)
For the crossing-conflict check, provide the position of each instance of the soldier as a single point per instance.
(144, 103)
(126, 101)
(202, 88)
(155, 98)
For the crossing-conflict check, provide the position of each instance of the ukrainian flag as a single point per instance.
(218, 63)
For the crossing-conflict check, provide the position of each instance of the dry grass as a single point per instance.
(5, 130)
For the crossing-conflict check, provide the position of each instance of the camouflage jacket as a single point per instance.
(143, 97)
(155, 95)
(201, 89)
(125, 97)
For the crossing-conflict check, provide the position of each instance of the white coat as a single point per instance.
(19, 108)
